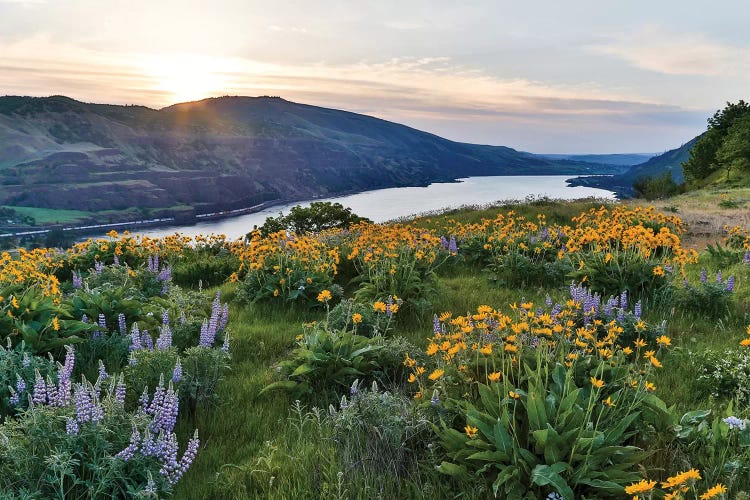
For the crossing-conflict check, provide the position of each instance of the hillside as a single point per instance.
(223, 153)
(621, 159)
(622, 184)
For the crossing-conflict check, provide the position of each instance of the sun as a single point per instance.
(189, 77)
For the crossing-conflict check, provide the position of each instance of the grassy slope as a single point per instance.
(52, 216)
(235, 434)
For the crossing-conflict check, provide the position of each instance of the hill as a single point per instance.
(224, 153)
(622, 184)
(621, 159)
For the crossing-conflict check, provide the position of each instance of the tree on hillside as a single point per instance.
(318, 216)
(703, 159)
(734, 152)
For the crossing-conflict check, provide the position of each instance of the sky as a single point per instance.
(546, 76)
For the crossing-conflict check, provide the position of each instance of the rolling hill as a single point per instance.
(224, 153)
(670, 161)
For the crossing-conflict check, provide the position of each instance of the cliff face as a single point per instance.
(224, 153)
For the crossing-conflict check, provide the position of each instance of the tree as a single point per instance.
(734, 152)
(703, 159)
(319, 216)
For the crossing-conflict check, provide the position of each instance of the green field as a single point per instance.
(52, 216)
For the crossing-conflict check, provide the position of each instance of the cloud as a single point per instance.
(674, 53)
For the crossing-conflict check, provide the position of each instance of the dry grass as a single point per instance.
(704, 215)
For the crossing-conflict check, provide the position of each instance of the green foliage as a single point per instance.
(724, 375)
(208, 266)
(557, 436)
(371, 323)
(623, 270)
(708, 300)
(319, 216)
(706, 442)
(30, 316)
(724, 144)
(203, 368)
(657, 187)
(520, 269)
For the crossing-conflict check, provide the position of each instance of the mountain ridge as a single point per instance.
(225, 153)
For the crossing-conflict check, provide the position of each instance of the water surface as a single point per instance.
(386, 204)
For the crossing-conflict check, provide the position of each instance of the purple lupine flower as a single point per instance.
(147, 341)
(624, 299)
(164, 341)
(452, 246)
(148, 444)
(719, 278)
(225, 344)
(165, 415)
(187, 458)
(135, 338)
(116, 261)
(83, 404)
(620, 315)
(26, 361)
(40, 389)
(103, 375)
(64, 372)
(183, 319)
(167, 452)
(121, 324)
(165, 274)
(206, 340)
(85, 319)
(120, 389)
(548, 301)
(158, 399)
(20, 384)
(52, 395)
(132, 360)
(165, 317)
(102, 321)
(704, 276)
(77, 280)
(730, 284)
(71, 426)
(389, 306)
(435, 400)
(98, 267)
(127, 453)
(435, 324)
(14, 398)
(177, 372)
(444, 242)
(143, 401)
(638, 310)
(746, 260)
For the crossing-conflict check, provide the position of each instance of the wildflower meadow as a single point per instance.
(553, 350)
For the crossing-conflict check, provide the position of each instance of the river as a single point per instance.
(381, 205)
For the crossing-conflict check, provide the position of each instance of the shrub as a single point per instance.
(706, 299)
(17, 375)
(724, 375)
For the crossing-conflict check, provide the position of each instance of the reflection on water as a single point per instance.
(386, 204)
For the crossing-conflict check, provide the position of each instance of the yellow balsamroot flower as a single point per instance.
(356, 318)
(511, 348)
(471, 431)
(486, 350)
(494, 376)
(598, 383)
(681, 478)
(609, 402)
(664, 340)
(714, 491)
(649, 386)
(420, 370)
(55, 324)
(627, 350)
(412, 378)
(408, 361)
(324, 296)
(436, 374)
(655, 362)
(379, 306)
(745, 342)
(639, 342)
(14, 302)
(658, 271)
(514, 395)
(275, 292)
(643, 486)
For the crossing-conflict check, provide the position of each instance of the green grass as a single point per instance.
(252, 445)
(52, 216)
